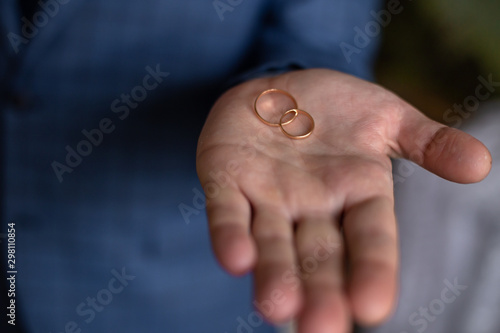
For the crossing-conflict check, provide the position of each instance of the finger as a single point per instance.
(229, 223)
(277, 296)
(445, 151)
(371, 237)
(320, 256)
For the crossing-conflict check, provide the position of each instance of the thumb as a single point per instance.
(447, 152)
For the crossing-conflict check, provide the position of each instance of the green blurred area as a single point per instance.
(433, 52)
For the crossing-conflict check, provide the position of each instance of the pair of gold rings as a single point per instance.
(282, 123)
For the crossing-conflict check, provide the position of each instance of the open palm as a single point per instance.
(314, 218)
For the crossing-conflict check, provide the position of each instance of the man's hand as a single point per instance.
(314, 218)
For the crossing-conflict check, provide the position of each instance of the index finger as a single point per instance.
(372, 246)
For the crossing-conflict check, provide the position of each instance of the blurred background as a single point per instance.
(433, 52)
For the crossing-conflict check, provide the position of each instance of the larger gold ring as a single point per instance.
(274, 90)
(296, 111)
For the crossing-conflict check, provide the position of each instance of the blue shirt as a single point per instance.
(101, 105)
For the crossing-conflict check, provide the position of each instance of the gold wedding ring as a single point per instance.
(269, 91)
(295, 110)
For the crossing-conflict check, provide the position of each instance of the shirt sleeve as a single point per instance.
(336, 34)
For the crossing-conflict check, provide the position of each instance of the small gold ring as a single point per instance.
(296, 111)
(274, 90)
